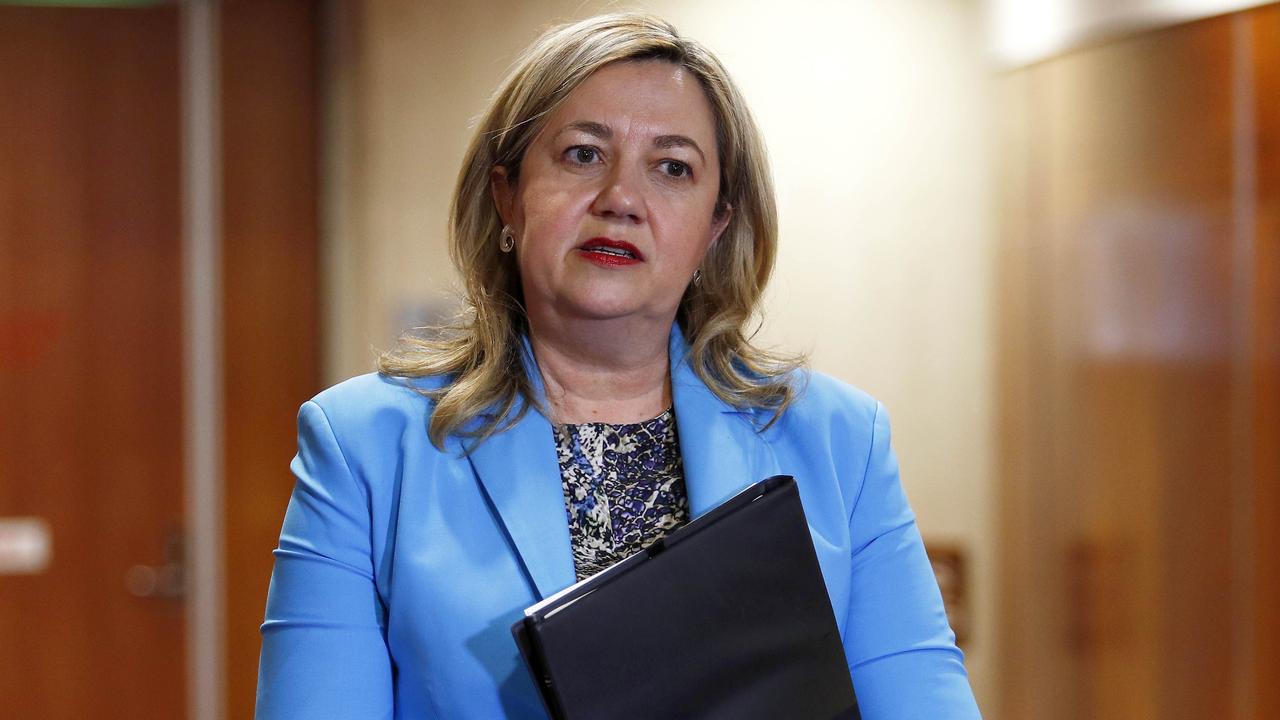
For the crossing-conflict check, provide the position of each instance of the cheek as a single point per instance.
(690, 231)
(549, 222)
(548, 210)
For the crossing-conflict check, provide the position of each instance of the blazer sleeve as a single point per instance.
(324, 650)
(901, 650)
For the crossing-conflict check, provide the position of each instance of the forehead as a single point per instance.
(649, 97)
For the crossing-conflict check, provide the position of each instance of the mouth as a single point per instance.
(608, 251)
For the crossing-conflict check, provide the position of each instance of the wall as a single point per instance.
(876, 117)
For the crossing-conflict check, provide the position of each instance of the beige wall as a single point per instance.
(876, 116)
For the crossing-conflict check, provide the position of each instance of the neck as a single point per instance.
(603, 371)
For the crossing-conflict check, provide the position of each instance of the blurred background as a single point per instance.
(1046, 233)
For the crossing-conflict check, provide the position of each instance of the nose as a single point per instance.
(620, 197)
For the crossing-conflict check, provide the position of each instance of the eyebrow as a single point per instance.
(604, 132)
(672, 141)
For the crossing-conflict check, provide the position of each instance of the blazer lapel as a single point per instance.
(721, 451)
(719, 445)
(520, 474)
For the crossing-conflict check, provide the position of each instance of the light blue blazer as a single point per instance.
(401, 567)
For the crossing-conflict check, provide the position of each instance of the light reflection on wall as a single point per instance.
(1150, 284)
(1024, 32)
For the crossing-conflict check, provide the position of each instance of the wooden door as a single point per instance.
(270, 305)
(91, 429)
(1138, 371)
(1266, 349)
(91, 358)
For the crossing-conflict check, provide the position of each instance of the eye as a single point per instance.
(675, 168)
(582, 154)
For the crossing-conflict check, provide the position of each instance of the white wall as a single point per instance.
(876, 115)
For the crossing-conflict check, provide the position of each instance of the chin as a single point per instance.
(601, 303)
(605, 312)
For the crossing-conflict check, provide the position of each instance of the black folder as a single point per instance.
(726, 617)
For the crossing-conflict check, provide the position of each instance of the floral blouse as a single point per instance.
(623, 488)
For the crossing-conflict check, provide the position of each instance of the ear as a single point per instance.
(503, 192)
(720, 221)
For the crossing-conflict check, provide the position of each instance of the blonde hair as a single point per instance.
(480, 353)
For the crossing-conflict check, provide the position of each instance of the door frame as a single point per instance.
(202, 362)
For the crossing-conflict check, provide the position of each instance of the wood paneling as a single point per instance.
(1266, 65)
(90, 356)
(271, 288)
(1126, 318)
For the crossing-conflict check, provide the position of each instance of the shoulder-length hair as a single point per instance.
(480, 353)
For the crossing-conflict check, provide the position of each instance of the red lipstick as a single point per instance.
(609, 252)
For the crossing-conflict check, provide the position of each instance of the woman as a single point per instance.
(614, 222)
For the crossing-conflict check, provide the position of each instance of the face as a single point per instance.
(614, 207)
